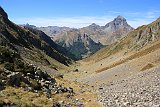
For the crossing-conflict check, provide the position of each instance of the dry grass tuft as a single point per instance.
(148, 66)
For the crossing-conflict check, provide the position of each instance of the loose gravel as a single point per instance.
(140, 90)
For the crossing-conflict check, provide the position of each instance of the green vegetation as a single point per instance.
(35, 84)
(9, 66)
(17, 97)
(77, 49)
(11, 60)
(22, 84)
(115, 49)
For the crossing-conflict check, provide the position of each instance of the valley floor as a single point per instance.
(139, 90)
(131, 80)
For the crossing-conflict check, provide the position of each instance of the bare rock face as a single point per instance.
(148, 34)
(110, 33)
(135, 40)
(118, 23)
(143, 35)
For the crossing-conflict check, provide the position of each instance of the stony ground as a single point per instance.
(141, 90)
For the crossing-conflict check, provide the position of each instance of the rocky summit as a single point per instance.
(110, 33)
(118, 23)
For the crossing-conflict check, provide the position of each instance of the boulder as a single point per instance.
(76, 70)
(39, 73)
(15, 79)
(56, 105)
(1, 85)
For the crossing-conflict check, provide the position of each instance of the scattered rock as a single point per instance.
(76, 70)
(140, 90)
(56, 105)
(100, 88)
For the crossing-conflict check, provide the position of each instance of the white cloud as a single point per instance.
(135, 19)
(76, 22)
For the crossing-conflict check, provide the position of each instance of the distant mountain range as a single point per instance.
(53, 30)
(87, 40)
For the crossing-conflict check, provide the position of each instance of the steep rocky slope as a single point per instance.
(23, 39)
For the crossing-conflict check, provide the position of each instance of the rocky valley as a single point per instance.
(113, 65)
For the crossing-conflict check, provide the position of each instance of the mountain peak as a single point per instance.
(120, 19)
(118, 24)
(29, 26)
(93, 24)
(3, 13)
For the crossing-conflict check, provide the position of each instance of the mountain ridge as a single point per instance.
(13, 35)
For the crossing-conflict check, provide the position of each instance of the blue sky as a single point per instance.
(79, 13)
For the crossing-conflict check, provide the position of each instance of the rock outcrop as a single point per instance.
(18, 73)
